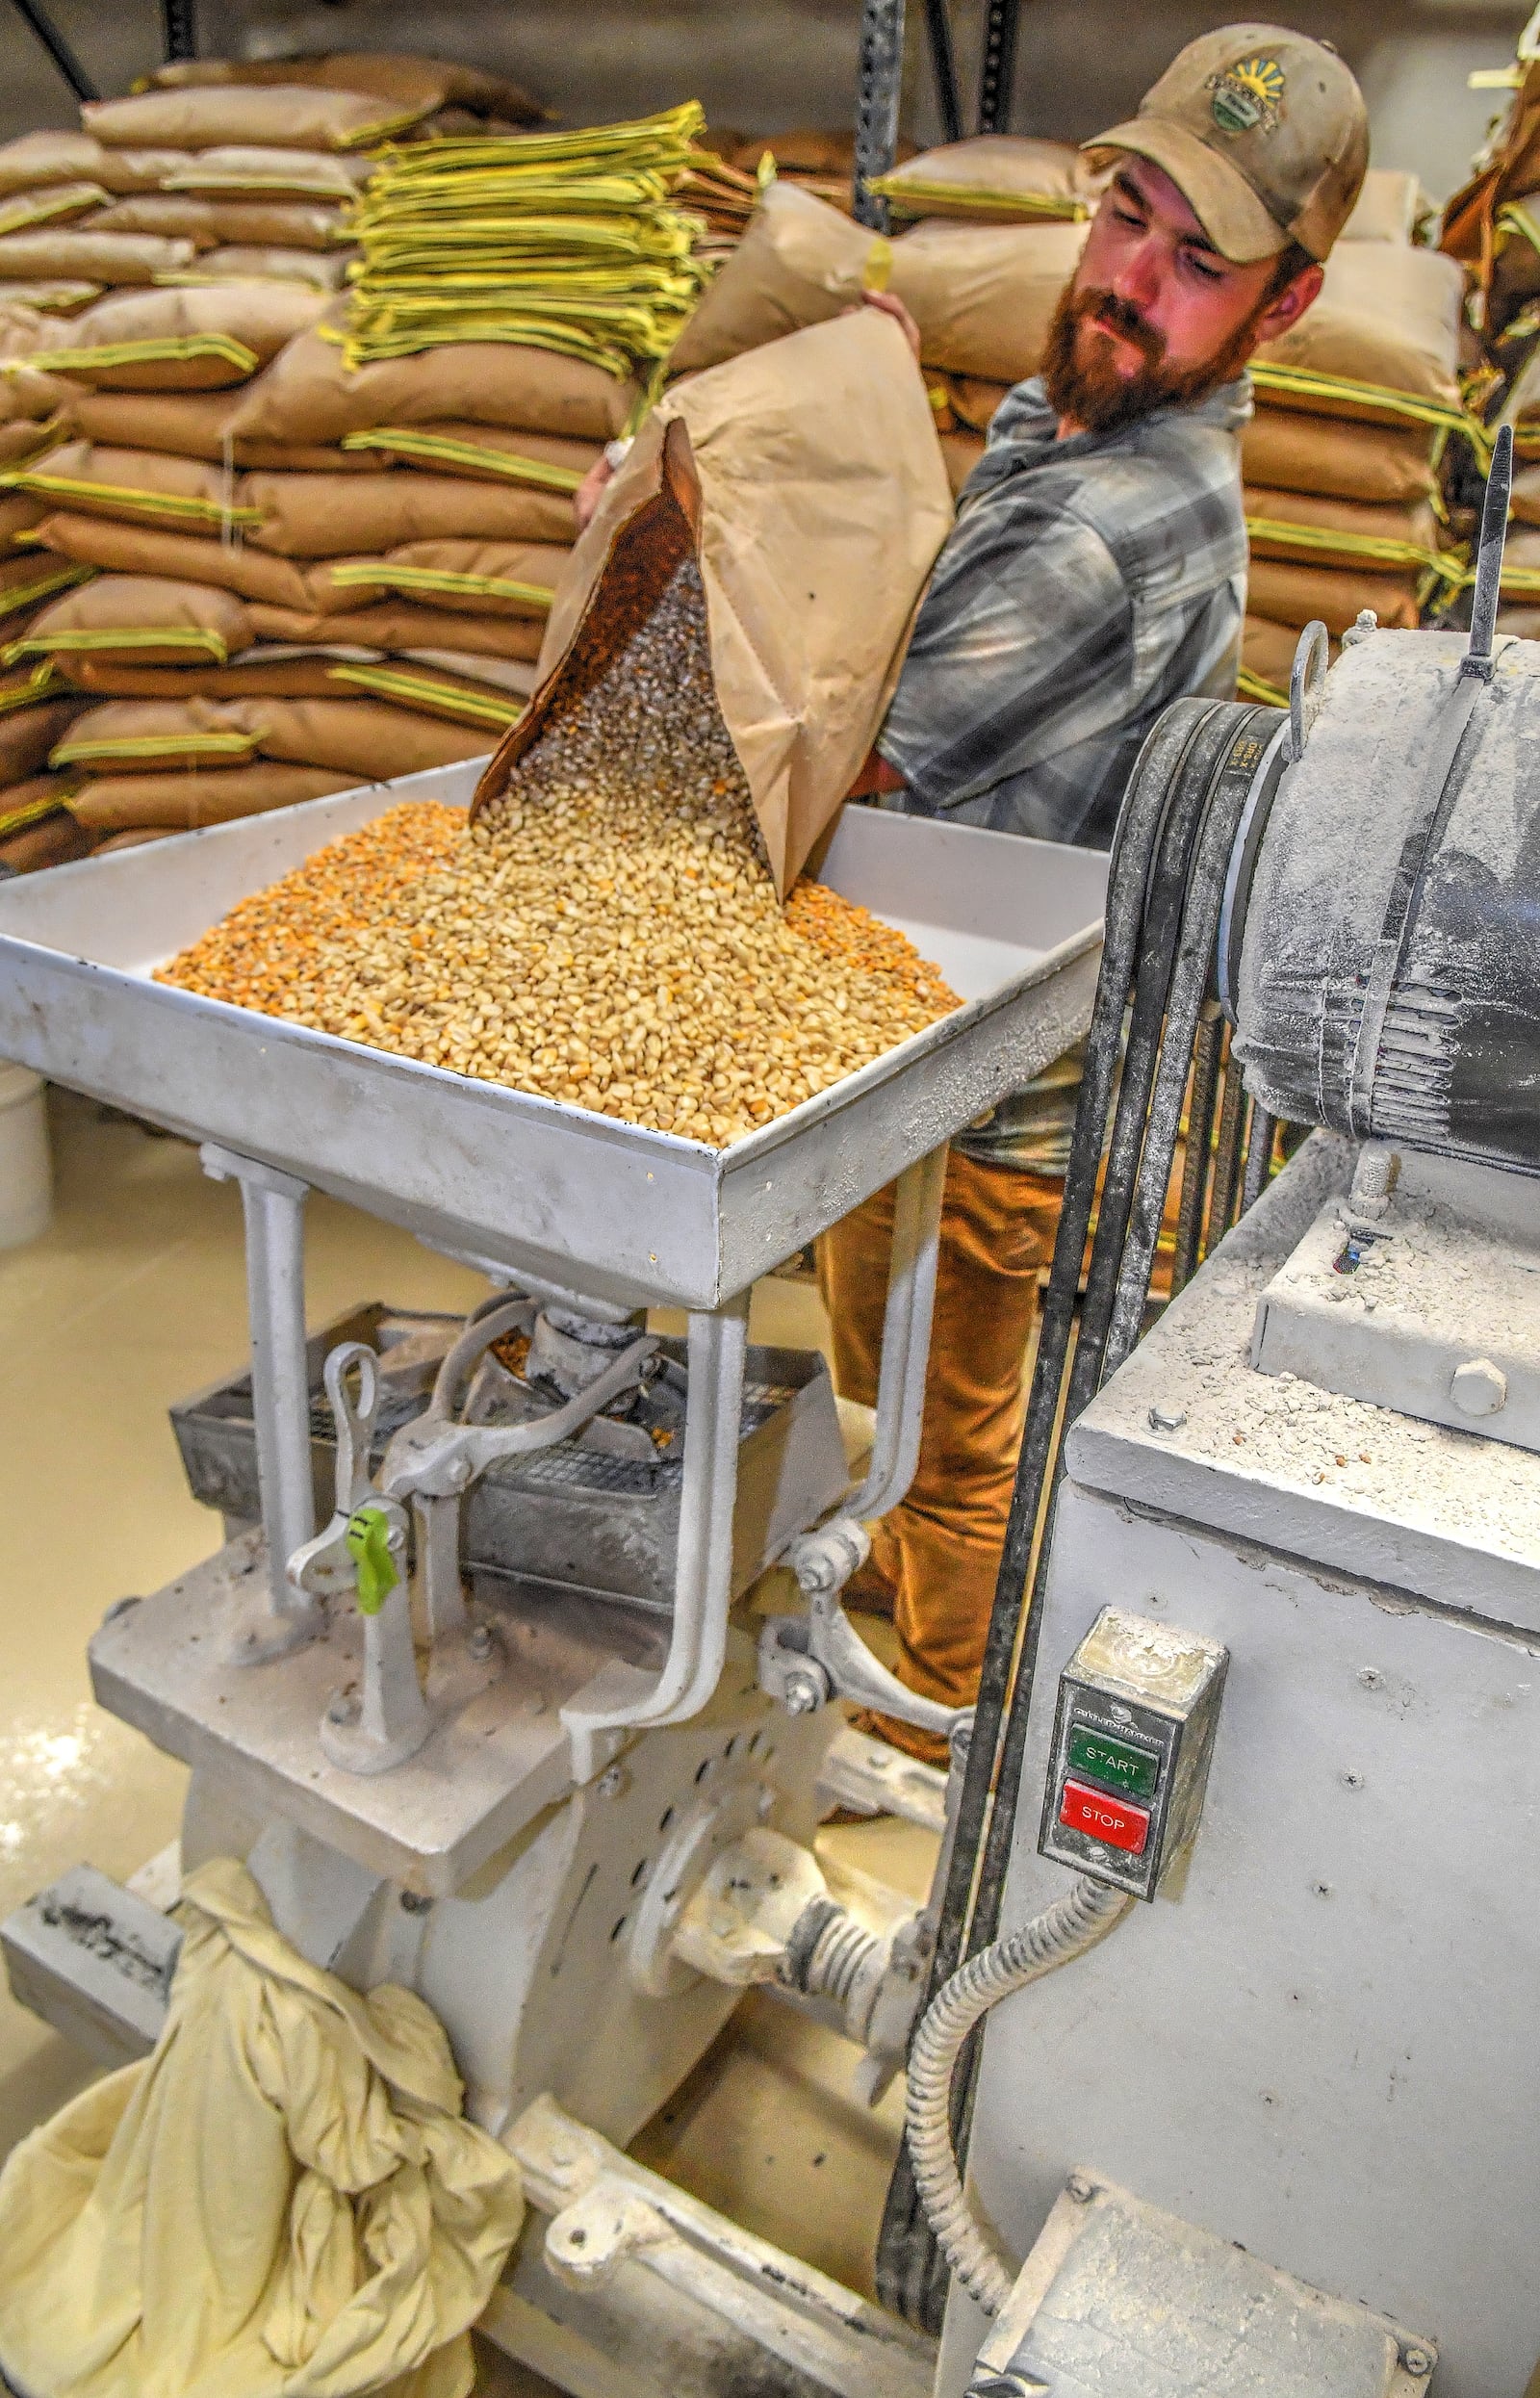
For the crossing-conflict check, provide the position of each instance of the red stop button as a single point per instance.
(1101, 1818)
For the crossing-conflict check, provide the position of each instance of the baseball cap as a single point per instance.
(1263, 132)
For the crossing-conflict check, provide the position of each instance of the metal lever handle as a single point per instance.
(355, 1426)
(1478, 659)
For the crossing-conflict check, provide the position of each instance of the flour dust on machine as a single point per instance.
(518, 1677)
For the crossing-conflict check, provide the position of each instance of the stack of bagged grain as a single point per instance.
(820, 160)
(992, 231)
(1342, 459)
(1520, 612)
(223, 196)
(981, 281)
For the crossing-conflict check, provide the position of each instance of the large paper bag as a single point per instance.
(806, 478)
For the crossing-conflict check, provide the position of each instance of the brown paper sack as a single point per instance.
(1390, 207)
(143, 620)
(40, 158)
(396, 74)
(119, 548)
(1386, 317)
(92, 257)
(1316, 532)
(305, 267)
(317, 516)
(983, 296)
(800, 263)
(400, 626)
(482, 577)
(1287, 452)
(57, 840)
(256, 318)
(289, 674)
(815, 529)
(1294, 595)
(218, 224)
(194, 424)
(289, 116)
(181, 801)
(995, 177)
(308, 395)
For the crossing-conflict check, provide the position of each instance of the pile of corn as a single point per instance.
(564, 241)
(608, 933)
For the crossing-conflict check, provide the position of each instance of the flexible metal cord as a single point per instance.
(1066, 1929)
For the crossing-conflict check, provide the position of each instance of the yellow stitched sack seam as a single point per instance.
(148, 745)
(518, 470)
(63, 578)
(179, 348)
(1250, 686)
(1379, 549)
(395, 684)
(536, 595)
(35, 208)
(44, 679)
(18, 819)
(126, 637)
(153, 502)
(900, 191)
(1308, 385)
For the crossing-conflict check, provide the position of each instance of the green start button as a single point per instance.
(1117, 1765)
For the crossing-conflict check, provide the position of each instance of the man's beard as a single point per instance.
(1092, 394)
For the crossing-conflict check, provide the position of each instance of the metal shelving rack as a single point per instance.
(880, 76)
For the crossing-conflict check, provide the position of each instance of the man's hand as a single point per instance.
(591, 490)
(874, 776)
(892, 306)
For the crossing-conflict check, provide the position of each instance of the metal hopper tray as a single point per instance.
(527, 1183)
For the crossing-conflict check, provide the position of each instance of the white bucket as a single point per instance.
(26, 1174)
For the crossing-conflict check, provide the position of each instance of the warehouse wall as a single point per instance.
(764, 64)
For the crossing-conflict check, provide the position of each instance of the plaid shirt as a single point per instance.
(1088, 584)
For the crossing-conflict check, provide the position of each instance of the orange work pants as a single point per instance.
(934, 1558)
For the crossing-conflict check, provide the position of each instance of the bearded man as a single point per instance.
(1096, 572)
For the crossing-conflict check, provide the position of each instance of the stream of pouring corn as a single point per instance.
(608, 933)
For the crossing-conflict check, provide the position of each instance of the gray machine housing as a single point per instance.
(1320, 2044)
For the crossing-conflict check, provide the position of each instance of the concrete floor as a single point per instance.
(133, 1299)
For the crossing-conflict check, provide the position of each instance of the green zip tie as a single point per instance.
(367, 1540)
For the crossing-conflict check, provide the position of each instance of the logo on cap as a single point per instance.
(1247, 96)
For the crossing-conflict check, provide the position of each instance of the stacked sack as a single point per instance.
(820, 160)
(994, 230)
(222, 168)
(304, 572)
(1343, 457)
(218, 212)
(1492, 226)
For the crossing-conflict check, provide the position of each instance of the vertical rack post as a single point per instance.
(1000, 18)
(881, 75)
(181, 29)
(943, 68)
